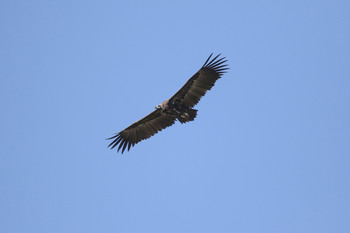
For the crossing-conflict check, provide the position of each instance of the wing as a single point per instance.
(202, 81)
(142, 129)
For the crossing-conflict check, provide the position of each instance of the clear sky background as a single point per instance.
(268, 152)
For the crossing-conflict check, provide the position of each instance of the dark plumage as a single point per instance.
(178, 107)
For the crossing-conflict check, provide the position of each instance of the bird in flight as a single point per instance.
(178, 107)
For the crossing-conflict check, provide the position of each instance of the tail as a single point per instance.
(189, 115)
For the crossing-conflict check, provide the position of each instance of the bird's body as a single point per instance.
(178, 107)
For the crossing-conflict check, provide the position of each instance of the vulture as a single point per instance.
(178, 107)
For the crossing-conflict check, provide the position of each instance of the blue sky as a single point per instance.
(268, 152)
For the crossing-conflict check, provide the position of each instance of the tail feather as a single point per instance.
(191, 114)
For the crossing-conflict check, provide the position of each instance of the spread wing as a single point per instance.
(202, 81)
(142, 129)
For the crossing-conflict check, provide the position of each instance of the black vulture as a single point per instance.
(178, 107)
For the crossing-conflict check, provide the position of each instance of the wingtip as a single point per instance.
(205, 63)
(117, 139)
(217, 64)
(208, 61)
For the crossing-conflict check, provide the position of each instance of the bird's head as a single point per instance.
(159, 106)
